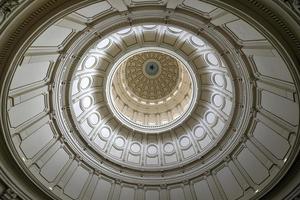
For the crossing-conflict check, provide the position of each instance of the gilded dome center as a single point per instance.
(151, 75)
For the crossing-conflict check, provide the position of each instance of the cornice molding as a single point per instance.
(9, 9)
(287, 36)
(13, 40)
(292, 5)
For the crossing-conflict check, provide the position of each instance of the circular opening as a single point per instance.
(151, 90)
(152, 69)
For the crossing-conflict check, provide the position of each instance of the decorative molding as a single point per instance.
(234, 167)
(295, 194)
(9, 194)
(6, 192)
(294, 5)
(7, 7)
(276, 18)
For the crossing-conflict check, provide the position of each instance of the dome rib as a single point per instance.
(239, 137)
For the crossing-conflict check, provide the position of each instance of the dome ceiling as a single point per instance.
(152, 102)
(158, 118)
(152, 75)
(130, 106)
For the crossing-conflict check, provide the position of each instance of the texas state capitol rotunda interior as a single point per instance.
(149, 99)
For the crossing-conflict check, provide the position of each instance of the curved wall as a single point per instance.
(259, 141)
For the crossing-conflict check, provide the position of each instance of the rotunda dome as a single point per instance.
(151, 91)
(150, 100)
(115, 98)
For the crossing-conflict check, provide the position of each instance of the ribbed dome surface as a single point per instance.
(139, 100)
(163, 120)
